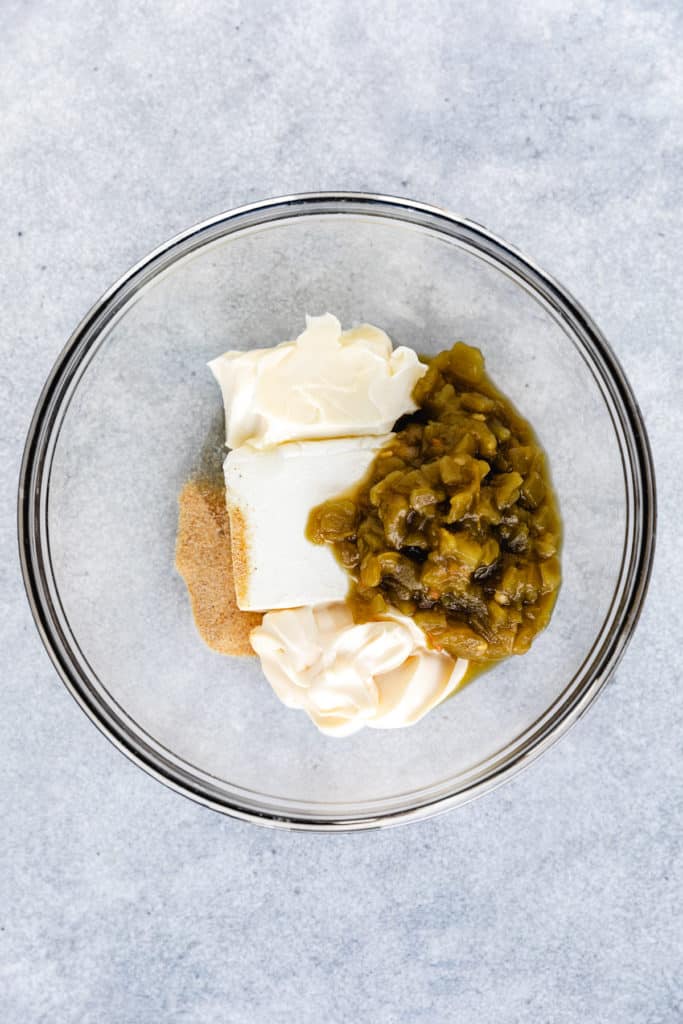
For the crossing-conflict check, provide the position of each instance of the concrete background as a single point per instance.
(557, 124)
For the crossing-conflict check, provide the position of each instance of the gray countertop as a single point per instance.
(558, 897)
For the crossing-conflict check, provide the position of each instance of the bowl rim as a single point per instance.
(54, 399)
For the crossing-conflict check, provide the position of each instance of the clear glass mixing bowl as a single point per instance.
(127, 411)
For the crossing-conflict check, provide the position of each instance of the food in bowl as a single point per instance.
(391, 519)
(456, 522)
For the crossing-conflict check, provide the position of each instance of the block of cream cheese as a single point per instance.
(270, 495)
(325, 384)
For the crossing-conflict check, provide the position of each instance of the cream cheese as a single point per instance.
(270, 495)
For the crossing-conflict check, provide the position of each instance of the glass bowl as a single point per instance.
(129, 412)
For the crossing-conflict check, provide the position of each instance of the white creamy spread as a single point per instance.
(346, 675)
(327, 383)
(270, 495)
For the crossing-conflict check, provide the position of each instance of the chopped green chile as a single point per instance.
(456, 522)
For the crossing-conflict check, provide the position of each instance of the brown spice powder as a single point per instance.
(204, 560)
(240, 552)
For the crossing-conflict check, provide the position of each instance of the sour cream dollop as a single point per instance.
(348, 675)
(327, 383)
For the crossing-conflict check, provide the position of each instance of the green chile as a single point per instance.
(456, 522)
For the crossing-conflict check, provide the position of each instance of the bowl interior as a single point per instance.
(141, 407)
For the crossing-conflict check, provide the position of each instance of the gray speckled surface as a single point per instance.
(557, 898)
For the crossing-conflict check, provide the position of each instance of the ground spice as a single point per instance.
(204, 560)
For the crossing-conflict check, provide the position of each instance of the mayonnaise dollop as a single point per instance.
(347, 675)
(327, 383)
